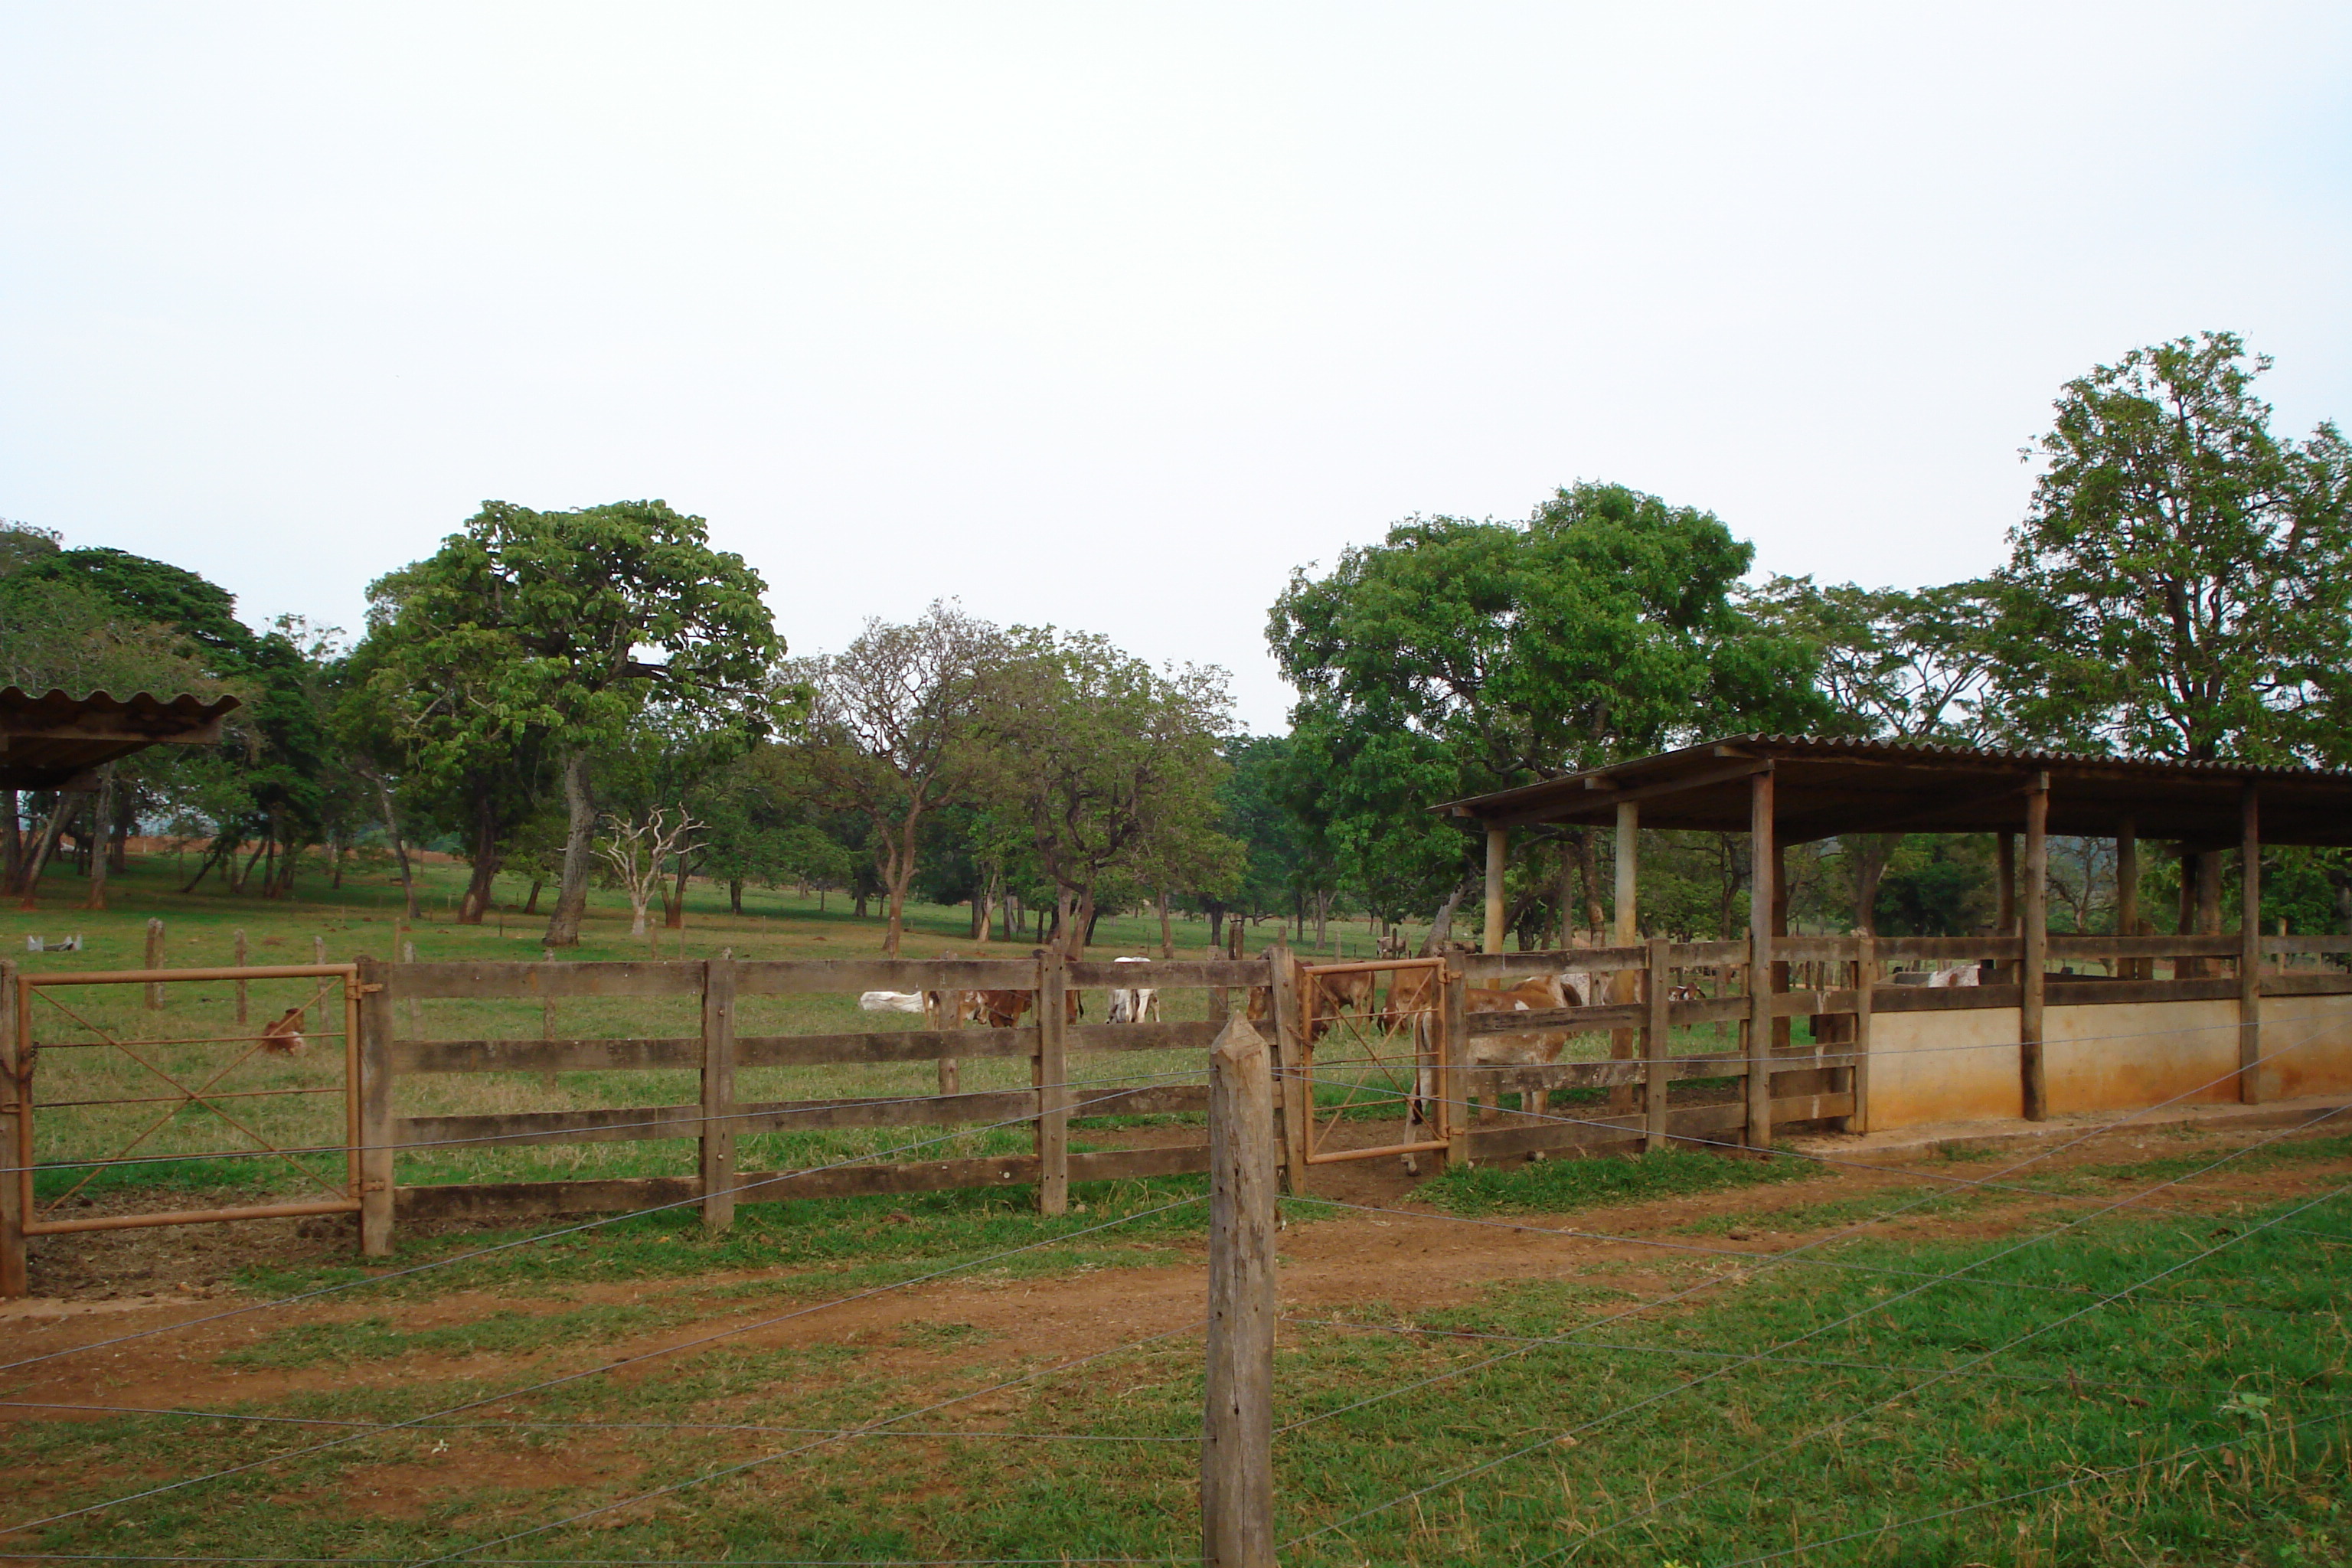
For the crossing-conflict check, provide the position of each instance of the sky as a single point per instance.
(1109, 316)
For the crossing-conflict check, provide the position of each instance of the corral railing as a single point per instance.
(1840, 985)
(397, 1050)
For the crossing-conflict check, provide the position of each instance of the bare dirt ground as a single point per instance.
(1410, 1261)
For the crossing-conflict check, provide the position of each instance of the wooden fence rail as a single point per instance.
(719, 1053)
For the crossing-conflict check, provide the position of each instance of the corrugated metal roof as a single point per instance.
(52, 738)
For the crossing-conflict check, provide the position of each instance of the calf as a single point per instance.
(284, 1034)
(1133, 1004)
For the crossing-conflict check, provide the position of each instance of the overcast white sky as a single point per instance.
(1109, 315)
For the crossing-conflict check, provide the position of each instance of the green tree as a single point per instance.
(1113, 765)
(576, 620)
(2183, 584)
(1459, 657)
(893, 733)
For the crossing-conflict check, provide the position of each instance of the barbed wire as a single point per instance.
(613, 1365)
(495, 1248)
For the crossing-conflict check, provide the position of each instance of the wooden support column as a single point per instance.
(1498, 853)
(2249, 946)
(2033, 979)
(1857, 1076)
(1293, 1114)
(375, 1194)
(1049, 1071)
(1626, 923)
(2005, 907)
(717, 1162)
(1237, 1417)
(1455, 1108)
(16, 1127)
(2128, 897)
(1762, 858)
(1656, 1045)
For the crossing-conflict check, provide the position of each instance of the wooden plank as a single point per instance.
(515, 1200)
(1177, 974)
(1050, 1073)
(1813, 948)
(1708, 954)
(2063, 946)
(793, 976)
(1947, 948)
(477, 981)
(1486, 969)
(1293, 1114)
(2281, 946)
(1237, 1386)
(2337, 985)
(621, 1054)
(377, 1210)
(884, 1046)
(1956, 999)
(634, 1124)
(1187, 1036)
(544, 1056)
(1716, 1124)
(716, 1161)
(2079, 993)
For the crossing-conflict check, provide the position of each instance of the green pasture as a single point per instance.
(2202, 1416)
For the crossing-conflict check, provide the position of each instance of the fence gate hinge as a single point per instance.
(366, 987)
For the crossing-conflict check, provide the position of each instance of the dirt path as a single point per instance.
(1411, 1261)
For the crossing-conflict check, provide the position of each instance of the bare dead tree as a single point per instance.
(636, 851)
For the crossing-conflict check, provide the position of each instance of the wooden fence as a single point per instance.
(1830, 1078)
(717, 1052)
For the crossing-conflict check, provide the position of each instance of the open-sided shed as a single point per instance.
(1789, 789)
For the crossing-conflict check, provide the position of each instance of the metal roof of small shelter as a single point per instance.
(1825, 785)
(55, 741)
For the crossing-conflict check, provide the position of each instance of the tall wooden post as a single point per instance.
(240, 984)
(717, 1162)
(1456, 1106)
(1626, 923)
(2249, 946)
(2128, 896)
(1292, 1109)
(1656, 1045)
(15, 1097)
(1237, 1424)
(1498, 853)
(2033, 976)
(375, 1192)
(1762, 858)
(154, 960)
(1050, 1072)
(1857, 1076)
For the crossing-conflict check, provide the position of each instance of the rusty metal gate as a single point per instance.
(1375, 1051)
(186, 1079)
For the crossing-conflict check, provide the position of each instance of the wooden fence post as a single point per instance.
(2033, 974)
(1455, 1108)
(1237, 1428)
(1656, 1045)
(1857, 1076)
(1050, 1072)
(717, 1161)
(1291, 1111)
(16, 1090)
(375, 1108)
(154, 960)
(2249, 946)
(240, 984)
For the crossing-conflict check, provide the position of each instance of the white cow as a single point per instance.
(890, 1002)
(1133, 1004)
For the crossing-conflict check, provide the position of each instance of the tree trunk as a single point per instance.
(579, 837)
(216, 853)
(674, 907)
(735, 896)
(1217, 927)
(1167, 931)
(100, 817)
(531, 905)
(476, 901)
(1078, 928)
(1871, 853)
(399, 849)
(68, 801)
(637, 904)
(1442, 925)
(12, 840)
